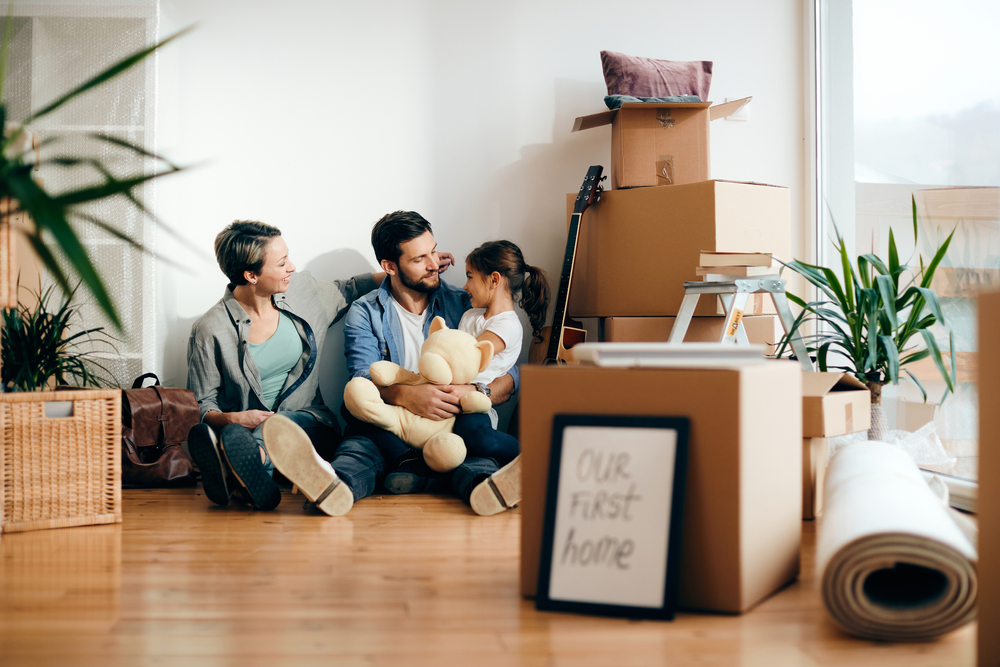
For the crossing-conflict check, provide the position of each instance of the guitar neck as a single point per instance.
(562, 298)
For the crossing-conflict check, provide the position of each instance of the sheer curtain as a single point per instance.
(55, 47)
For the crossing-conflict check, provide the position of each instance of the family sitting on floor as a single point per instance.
(253, 366)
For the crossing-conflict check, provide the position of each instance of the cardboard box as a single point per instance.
(911, 416)
(989, 492)
(743, 495)
(659, 144)
(637, 248)
(761, 330)
(834, 404)
(814, 453)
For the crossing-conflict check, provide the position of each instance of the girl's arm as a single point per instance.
(498, 344)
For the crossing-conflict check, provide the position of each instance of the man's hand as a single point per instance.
(445, 259)
(433, 401)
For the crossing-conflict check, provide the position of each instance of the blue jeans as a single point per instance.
(367, 453)
(324, 438)
(482, 441)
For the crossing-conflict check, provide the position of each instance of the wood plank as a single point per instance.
(966, 203)
(414, 580)
(926, 370)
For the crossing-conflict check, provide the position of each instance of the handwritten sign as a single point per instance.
(613, 515)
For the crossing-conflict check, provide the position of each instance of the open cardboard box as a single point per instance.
(761, 329)
(659, 143)
(742, 516)
(834, 404)
(637, 248)
(911, 416)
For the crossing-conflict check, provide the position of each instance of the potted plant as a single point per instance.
(39, 351)
(872, 317)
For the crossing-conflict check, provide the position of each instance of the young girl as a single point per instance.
(496, 273)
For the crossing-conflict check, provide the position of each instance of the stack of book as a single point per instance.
(716, 266)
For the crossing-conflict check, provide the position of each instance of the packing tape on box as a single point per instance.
(895, 564)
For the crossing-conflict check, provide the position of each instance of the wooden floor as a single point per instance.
(400, 581)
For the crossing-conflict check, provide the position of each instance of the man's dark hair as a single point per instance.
(396, 228)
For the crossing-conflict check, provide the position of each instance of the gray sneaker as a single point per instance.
(242, 453)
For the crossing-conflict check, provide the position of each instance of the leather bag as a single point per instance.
(155, 423)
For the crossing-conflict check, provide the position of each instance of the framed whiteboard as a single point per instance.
(611, 542)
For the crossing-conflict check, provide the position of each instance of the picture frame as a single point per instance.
(614, 505)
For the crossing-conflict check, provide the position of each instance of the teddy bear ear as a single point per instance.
(437, 324)
(486, 350)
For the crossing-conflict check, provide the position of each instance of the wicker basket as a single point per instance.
(60, 471)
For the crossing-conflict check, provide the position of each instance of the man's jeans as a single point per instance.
(324, 438)
(367, 453)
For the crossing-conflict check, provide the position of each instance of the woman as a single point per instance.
(254, 354)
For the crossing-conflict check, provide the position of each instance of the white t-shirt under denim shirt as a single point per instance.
(413, 336)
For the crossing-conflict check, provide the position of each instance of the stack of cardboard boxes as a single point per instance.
(637, 246)
(832, 404)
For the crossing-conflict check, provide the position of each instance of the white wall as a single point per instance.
(319, 116)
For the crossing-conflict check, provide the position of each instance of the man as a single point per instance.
(391, 323)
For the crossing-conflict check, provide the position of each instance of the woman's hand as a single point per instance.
(249, 419)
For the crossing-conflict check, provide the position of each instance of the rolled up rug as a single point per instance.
(894, 564)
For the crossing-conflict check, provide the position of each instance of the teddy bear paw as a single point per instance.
(444, 452)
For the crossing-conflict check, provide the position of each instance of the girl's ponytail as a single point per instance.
(535, 298)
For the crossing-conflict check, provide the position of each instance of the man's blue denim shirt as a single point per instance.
(372, 331)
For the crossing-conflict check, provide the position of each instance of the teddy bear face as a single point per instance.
(450, 356)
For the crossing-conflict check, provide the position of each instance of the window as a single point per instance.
(54, 48)
(909, 107)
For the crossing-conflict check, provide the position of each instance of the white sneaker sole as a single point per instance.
(293, 454)
(501, 492)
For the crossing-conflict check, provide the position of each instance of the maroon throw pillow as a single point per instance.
(645, 77)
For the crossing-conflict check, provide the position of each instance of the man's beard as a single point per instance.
(418, 285)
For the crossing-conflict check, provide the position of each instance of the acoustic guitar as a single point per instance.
(558, 340)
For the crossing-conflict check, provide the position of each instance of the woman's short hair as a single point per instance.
(240, 247)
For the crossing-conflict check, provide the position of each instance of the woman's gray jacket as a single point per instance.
(221, 371)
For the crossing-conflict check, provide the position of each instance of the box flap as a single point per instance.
(727, 108)
(605, 117)
(820, 384)
(593, 120)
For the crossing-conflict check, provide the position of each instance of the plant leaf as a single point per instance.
(931, 299)
(935, 354)
(48, 215)
(892, 358)
(938, 256)
(887, 290)
(914, 380)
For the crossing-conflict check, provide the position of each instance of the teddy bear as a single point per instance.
(448, 356)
